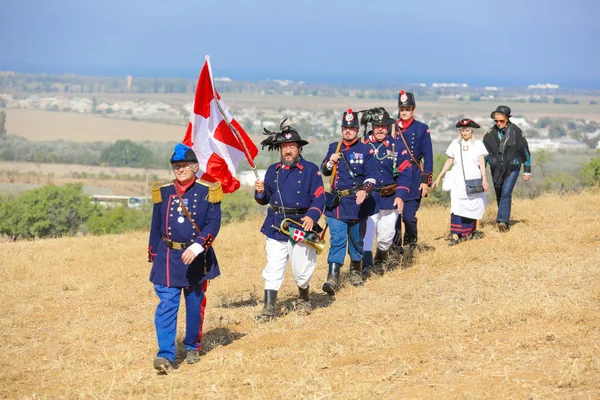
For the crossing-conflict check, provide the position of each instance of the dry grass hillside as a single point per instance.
(514, 315)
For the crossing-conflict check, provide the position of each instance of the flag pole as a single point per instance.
(229, 124)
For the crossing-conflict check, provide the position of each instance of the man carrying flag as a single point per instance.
(187, 217)
(185, 221)
(293, 189)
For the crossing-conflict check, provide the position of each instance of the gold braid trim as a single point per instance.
(215, 190)
(155, 188)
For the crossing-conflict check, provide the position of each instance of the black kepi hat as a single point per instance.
(467, 123)
(406, 99)
(181, 152)
(350, 118)
(501, 109)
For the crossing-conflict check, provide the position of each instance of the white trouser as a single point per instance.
(303, 259)
(381, 227)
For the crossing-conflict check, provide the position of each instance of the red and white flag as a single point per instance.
(217, 147)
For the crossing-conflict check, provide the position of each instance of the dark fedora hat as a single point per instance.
(350, 118)
(501, 109)
(181, 152)
(382, 118)
(287, 135)
(467, 123)
(406, 99)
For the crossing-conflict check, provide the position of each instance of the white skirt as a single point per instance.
(466, 205)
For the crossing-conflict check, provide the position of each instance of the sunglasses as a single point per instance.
(499, 120)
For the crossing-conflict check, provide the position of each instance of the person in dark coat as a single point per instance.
(293, 190)
(417, 139)
(392, 188)
(508, 150)
(353, 172)
(185, 222)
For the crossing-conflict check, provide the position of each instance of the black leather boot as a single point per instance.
(303, 306)
(381, 258)
(367, 264)
(356, 273)
(333, 279)
(268, 311)
(409, 257)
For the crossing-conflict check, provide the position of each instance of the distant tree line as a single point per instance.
(122, 153)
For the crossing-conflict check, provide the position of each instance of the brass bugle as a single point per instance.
(283, 228)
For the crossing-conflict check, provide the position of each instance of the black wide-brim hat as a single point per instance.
(467, 123)
(501, 109)
(382, 119)
(287, 135)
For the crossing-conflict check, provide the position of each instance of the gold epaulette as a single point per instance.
(155, 188)
(215, 191)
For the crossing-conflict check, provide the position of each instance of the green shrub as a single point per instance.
(590, 172)
(49, 211)
(120, 219)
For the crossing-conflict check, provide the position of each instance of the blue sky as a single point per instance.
(476, 41)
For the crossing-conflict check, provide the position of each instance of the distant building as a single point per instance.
(452, 85)
(545, 86)
(542, 144)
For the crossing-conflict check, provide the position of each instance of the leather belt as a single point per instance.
(347, 192)
(387, 190)
(415, 163)
(288, 210)
(176, 245)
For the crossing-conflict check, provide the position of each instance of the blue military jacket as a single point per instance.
(297, 187)
(362, 166)
(170, 223)
(418, 139)
(393, 168)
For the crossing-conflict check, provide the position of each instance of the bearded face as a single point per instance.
(290, 153)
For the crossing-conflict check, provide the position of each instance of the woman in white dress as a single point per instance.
(466, 156)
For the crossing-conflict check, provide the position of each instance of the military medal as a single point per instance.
(180, 220)
(179, 209)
